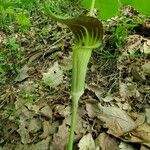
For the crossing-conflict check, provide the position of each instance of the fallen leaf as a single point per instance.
(141, 135)
(146, 69)
(23, 131)
(23, 74)
(108, 98)
(63, 133)
(54, 76)
(137, 73)
(28, 87)
(95, 89)
(34, 125)
(126, 146)
(66, 63)
(106, 142)
(146, 46)
(148, 115)
(46, 130)
(87, 143)
(115, 119)
(127, 90)
(60, 139)
(139, 118)
(46, 111)
(135, 42)
(36, 55)
(62, 110)
(42, 145)
(144, 148)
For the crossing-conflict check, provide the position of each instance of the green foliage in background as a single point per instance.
(143, 6)
(16, 12)
(110, 8)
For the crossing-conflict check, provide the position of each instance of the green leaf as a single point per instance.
(142, 6)
(86, 3)
(106, 8)
(110, 8)
(23, 20)
(126, 2)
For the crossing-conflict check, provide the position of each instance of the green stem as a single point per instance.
(75, 99)
(81, 58)
(92, 7)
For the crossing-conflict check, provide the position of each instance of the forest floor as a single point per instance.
(35, 78)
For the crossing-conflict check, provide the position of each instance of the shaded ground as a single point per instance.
(35, 101)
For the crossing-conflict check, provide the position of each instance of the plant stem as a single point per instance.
(80, 60)
(92, 7)
(75, 99)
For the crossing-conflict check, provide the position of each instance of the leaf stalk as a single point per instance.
(92, 8)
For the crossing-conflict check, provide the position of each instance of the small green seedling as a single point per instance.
(88, 33)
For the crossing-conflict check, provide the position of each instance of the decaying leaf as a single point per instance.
(97, 90)
(23, 131)
(137, 73)
(63, 110)
(106, 142)
(135, 42)
(53, 77)
(23, 74)
(127, 90)
(47, 130)
(144, 148)
(60, 139)
(108, 98)
(34, 125)
(146, 69)
(87, 143)
(146, 46)
(63, 133)
(148, 115)
(116, 119)
(42, 145)
(141, 135)
(46, 111)
(126, 146)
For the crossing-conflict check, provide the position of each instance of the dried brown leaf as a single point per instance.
(54, 76)
(146, 69)
(148, 115)
(141, 135)
(87, 143)
(127, 90)
(46, 111)
(117, 120)
(23, 74)
(126, 146)
(106, 142)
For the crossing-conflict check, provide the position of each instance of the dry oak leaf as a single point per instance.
(63, 134)
(126, 146)
(141, 135)
(54, 76)
(106, 142)
(116, 120)
(87, 143)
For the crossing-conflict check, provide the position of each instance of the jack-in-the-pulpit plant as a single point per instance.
(88, 33)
